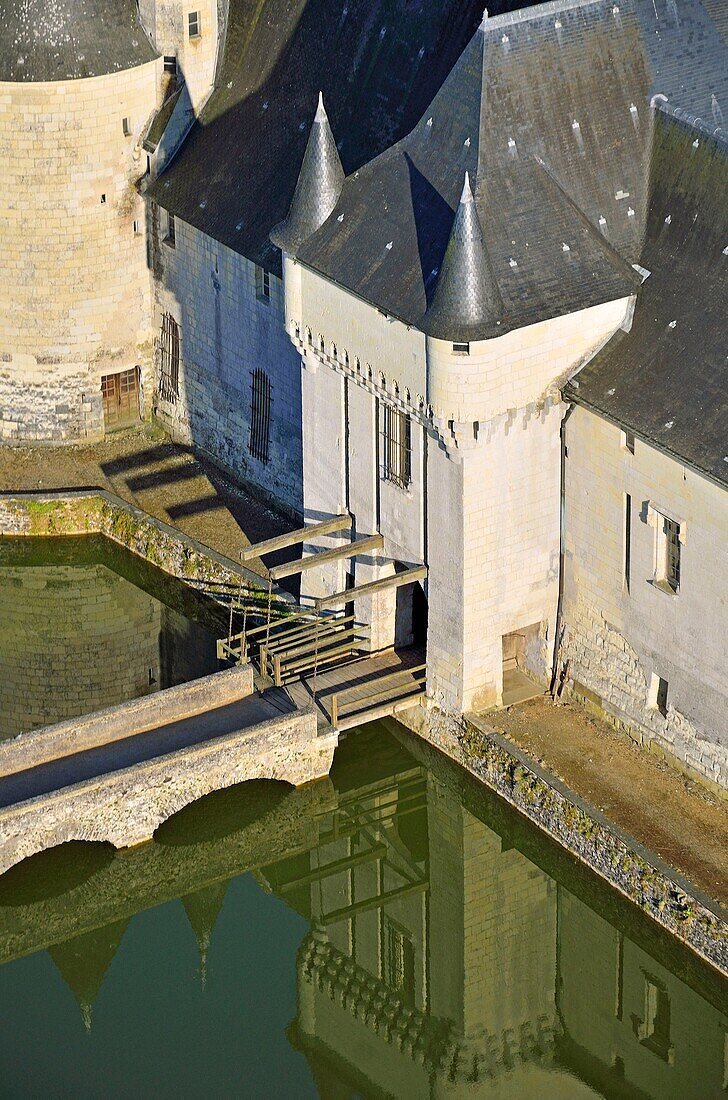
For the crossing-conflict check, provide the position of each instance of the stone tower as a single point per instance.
(79, 84)
(185, 32)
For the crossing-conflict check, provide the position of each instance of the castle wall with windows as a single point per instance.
(645, 582)
(232, 351)
(76, 302)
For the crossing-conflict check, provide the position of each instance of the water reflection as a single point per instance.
(85, 624)
(408, 934)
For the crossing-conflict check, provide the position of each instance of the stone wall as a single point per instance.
(125, 807)
(168, 26)
(618, 634)
(228, 329)
(115, 723)
(78, 299)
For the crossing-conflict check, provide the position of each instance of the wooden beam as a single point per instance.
(418, 573)
(350, 550)
(294, 538)
(377, 902)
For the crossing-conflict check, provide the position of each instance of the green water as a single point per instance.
(394, 931)
(84, 624)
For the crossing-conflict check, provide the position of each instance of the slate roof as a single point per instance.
(318, 188)
(548, 109)
(667, 379)
(70, 39)
(378, 64)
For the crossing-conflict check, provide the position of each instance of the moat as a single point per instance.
(85, 624)
(393, 931)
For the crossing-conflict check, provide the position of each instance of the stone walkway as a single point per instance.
(672, 816)
(143, 467)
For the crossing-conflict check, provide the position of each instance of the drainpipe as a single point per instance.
(562, 541)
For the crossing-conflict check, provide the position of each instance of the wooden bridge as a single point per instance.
(321, 652)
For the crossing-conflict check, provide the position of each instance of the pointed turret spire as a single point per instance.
(318, 188)
(202, 909)
(84, 960)
(466, 302)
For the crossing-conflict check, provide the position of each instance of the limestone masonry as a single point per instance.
(461, 276)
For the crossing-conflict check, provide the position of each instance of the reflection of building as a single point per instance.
(76, 638)
(444, 957)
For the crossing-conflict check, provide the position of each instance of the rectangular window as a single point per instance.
(262, 283)
(627, 540)
(170, 236)
(461, 349)
(170, 64)
(657, 694)
(193, 24)
(169, 359)
(628, 441)
(397, 447)
(654, 1030)
(667, 551)
(399, 961)
(260, 416)
(126, 127)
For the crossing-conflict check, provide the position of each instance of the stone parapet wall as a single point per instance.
(124, 808)
(124, 720)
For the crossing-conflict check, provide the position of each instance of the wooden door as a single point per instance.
(120, 393)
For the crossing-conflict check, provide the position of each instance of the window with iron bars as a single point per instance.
(260, 416)
(396, 447)
(169, 359)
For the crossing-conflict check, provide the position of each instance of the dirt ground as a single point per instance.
(674, 817)
(143, 467)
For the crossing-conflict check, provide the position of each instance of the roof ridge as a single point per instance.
(537, 11)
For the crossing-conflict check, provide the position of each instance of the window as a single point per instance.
(170, 236)
(399, 961)
(627, 440)
(170, 64)
(103, 200)
(657, 694)
(260, 416)
(169, 359)
(667, 553)
(126, 127)
(262, 284)
(193, 24)
(397, 447)
(461, 349)
(654, 1030)
(627, 547)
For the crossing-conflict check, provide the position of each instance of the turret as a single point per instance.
(466, 304)
(187, 38)
(318, 188)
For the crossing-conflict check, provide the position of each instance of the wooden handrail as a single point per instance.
(348, 550)
(417, 573)
(293, 538)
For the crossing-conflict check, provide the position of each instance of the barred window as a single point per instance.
(260, 416)
(169, 359)
(399, 961)
(396, 447)
(672, 553)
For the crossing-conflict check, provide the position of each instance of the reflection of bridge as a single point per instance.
(437, 933)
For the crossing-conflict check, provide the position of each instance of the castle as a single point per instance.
(473, 295)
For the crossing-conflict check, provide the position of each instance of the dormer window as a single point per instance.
(193, 24)
(461, 349)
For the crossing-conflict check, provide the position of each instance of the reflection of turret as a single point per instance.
(83, 962)
(203, 909)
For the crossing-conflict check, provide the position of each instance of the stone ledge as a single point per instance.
(123, 720)
(607, 850)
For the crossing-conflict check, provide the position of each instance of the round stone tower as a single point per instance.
(79, 83)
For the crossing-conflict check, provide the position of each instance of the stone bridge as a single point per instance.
(117, 775)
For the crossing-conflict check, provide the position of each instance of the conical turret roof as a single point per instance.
(202, 909)
(318, 188)
(84, 960)
(466, 298)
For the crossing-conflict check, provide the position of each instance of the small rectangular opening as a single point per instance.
(262, 283)
(627, 541)
(170, 233)
(126, 127)
(170, 64)
(103, 199)
(657, 694)
(462, 348)
(627, 440)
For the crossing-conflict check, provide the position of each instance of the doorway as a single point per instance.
(120, 395)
